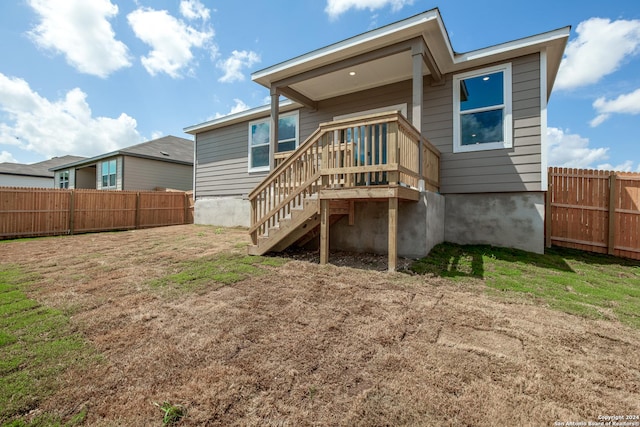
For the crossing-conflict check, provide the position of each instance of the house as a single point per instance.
(389, 141)
(165, 162)
(34, 175)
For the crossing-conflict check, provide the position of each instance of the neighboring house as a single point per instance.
(468, 164)
(35, 175)
(165, 162)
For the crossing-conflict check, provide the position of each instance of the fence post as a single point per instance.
(186, 208)
(547, 208)
(137, 210)
(72, 210)
(613, 201)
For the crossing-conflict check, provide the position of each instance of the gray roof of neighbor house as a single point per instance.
(169, 148)
(40, 169)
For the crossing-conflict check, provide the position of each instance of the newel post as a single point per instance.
(392, 141)
(324, 203)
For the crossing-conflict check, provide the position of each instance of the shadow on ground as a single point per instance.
(451, 260)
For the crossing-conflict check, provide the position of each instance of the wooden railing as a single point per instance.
(377, 149)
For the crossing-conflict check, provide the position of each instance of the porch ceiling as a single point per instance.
(359, 77)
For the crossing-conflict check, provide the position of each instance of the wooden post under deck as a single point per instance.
(393, 233)
(324, 231)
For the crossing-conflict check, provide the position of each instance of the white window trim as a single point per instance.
(508, 115)
(266, 120)
(109, 186)
(64, 178)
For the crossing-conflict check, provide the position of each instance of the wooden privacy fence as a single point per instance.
(597, 211)
(30, 212)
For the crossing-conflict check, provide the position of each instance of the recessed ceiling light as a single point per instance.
(352, 73)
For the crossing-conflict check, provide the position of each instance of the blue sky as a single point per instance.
(84, 77)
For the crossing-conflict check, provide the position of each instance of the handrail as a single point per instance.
(380, 148)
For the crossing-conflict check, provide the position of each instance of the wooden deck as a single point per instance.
(375, 157)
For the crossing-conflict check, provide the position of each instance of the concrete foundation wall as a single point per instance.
(223, 212)
(514, 220)
(420, 227)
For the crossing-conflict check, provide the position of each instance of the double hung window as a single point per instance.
(64, 179)
(109, 174)
(259, 139)
(482, 109)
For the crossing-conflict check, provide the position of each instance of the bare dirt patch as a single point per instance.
(306, 344)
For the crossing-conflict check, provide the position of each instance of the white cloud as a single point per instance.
(335, 8)
(598, 120)
(80, 30)
(157, 134)
(572, 150)
(56, 128)
(622, 167)
(193, 9)
(6, 156)
(233, 65)
(624, 104)
(237, 108)
(599, 50)
(171, 40)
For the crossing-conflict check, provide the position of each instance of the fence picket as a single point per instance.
(597, 211)
(31, 212)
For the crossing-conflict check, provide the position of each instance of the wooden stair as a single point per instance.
(379, 156)
(289, 230)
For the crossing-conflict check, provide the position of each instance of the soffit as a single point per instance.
(371, 74)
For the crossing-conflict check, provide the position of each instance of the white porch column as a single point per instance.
(273, 127)
(417, 52)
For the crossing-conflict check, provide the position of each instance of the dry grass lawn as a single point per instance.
(304, 344)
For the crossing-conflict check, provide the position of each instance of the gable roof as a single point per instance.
(383, 56)
(40, 169)
(169, 148)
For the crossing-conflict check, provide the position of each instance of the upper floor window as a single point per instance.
(259, 144)
(482, 109)
(64, 179)
(109, 174)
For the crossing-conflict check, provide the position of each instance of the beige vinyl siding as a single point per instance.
(512, 169)
(222, 154)
(7, 180)
(148, 174)
(221, 168)
(393, 94)
(221, 165)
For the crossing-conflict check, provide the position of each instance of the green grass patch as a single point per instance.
(576, 282)
(37, 344)
(222, 269)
